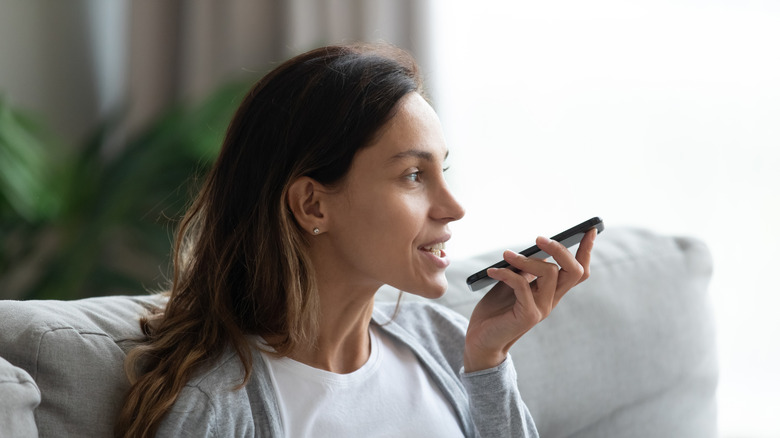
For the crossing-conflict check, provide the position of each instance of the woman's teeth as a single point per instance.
(435, 249)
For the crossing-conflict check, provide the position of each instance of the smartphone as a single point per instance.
(568, 238)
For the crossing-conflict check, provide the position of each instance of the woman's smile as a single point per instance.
(434, 253)
(437, 257)
(435, 249)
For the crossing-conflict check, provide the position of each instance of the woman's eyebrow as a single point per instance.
(415, 153)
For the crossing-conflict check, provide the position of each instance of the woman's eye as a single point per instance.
(414, 176)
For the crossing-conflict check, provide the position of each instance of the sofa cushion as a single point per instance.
(74, 350)
(630, 352)
(19, 395)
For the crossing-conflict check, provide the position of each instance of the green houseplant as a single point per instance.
(78, 222)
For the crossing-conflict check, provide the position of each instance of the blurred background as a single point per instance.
(655, 114)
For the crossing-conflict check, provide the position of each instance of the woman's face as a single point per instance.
(392, 212)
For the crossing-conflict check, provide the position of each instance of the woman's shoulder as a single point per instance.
(214, 398)
(225, 370)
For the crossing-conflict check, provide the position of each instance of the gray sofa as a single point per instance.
(629, 353)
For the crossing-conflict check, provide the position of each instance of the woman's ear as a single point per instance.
(304, 198)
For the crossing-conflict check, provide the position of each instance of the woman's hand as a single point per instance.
(521, 300)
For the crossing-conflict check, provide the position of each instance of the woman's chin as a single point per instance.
(432, 290)
(430, 287)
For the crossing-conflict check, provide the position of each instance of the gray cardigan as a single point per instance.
(487, 403)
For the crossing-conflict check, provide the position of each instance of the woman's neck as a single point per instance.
(342, 344)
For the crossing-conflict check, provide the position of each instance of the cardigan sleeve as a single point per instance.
(495, 403)
(488, 401)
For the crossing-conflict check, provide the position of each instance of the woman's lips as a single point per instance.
(436, 249)
(437, 256)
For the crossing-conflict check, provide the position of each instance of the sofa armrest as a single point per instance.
(74, 351)
(19, 396)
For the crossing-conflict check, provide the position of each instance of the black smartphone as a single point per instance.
(568, 238)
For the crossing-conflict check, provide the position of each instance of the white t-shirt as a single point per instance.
(391, 395)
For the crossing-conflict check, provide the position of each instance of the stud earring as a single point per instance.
(316, 231)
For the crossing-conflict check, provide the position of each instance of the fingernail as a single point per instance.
(544, 239)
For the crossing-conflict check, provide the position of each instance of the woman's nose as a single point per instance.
(448, 208)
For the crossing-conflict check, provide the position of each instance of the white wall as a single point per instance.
(663, 115)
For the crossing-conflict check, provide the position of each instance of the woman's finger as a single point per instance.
(546, 278)
(545, 291)
(571, 270)
(583, 253)
(516, 282)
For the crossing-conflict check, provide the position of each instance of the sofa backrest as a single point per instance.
(629, 353)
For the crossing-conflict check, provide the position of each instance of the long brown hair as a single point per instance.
(240, 264)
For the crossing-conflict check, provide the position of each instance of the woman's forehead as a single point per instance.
(414, 132)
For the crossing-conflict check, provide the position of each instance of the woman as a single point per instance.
(330, 184)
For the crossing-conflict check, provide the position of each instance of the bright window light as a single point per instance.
(663, 115)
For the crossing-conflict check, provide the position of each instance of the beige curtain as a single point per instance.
(76, 61)
(183, 49)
